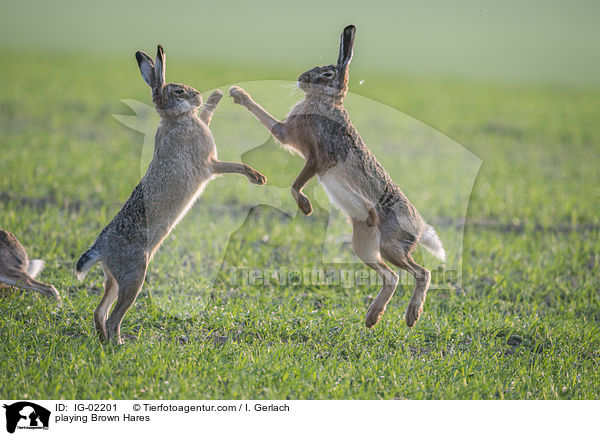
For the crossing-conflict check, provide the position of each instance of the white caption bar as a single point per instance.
(297, 417)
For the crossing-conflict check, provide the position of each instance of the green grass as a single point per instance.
(524, 322)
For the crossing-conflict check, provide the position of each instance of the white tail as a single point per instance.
(35, 267)
(431, 241)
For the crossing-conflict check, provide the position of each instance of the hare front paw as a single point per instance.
(255, 177)
(304, 204)
(239, 95)
(215, 96)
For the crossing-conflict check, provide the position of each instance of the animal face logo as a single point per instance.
(26, 415)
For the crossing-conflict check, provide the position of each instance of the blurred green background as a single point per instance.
(551, 40)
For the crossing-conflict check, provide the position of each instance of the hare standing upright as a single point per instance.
(385, 224)
(17, 270)
(184, 161)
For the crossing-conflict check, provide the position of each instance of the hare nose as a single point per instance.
(302, 77)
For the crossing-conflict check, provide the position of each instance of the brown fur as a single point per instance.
(184, 161)
(15, 267)
(385, 224)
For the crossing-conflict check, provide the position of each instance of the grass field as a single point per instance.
(523, 324)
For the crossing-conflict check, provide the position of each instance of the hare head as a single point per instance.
(172, 99)
(331, 80)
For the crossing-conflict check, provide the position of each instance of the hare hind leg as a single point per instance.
(394, 252)
(365, 242)
(129, 286)
(20, 279)
(110, 295)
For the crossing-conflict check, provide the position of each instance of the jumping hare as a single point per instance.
(384, 223)
(184, 161)
(17, 270)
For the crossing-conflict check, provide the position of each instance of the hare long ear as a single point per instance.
(146, 67)
(159, 66)
(346, 47)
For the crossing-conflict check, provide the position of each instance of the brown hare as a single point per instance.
(184, 161)
(17, 270)
(385, 225)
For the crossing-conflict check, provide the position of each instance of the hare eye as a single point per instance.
(179, 91)
(328, 74)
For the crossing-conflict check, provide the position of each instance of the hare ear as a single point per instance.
(146, 67)
(159, 67)
(346, 47)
